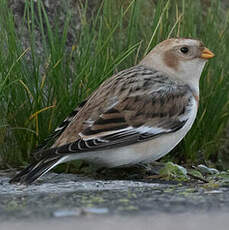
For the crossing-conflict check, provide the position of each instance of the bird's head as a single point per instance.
(182, 58)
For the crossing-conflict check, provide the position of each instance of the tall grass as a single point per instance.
(37, 90)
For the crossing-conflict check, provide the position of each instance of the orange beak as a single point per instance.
(206, 54)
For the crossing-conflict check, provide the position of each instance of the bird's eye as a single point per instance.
(184, 49)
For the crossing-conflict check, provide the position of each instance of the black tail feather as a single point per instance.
(35, 170)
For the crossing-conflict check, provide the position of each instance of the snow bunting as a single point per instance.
(138, 115)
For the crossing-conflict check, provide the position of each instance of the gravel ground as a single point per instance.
(56, 197)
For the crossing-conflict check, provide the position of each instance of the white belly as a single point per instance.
(141, 152)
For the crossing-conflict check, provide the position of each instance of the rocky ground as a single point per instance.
(77, 200)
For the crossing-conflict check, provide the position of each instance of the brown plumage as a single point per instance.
(139, 114)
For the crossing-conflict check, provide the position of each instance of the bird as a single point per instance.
(136, 116)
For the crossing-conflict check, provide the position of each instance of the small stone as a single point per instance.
(67, 212)
(214, 192)
(95, 210)
(207, 170)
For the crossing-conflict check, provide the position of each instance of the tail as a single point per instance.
(37, 169)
